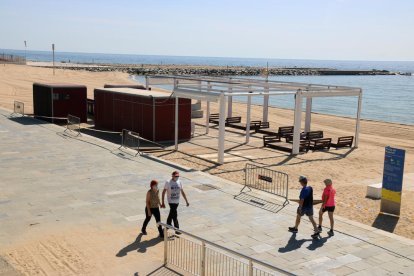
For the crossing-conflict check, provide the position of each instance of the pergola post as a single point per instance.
(308, 114)
(222, 114)
(249, 103)
(266, 104)
(358, 119)
(208, 109)
(176, 117)
(297, 122)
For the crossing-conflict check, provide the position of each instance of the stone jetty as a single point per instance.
(214, 70)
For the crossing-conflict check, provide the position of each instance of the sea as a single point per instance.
(388, 98)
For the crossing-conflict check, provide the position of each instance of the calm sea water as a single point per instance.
(399, 66)
(385, 98)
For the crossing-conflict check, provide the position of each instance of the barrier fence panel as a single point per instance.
(73, 124)
(266, 180)
(197, 256)
(130, 140)
(18, 108)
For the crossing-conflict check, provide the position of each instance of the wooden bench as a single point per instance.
(320, 144)
(237, 125)
(214, 118)
(272, 141)
(285, 131)
(304, 145)
(344, 141)
(314, 135)
(269, 139)
(263, 125)
(233, 120)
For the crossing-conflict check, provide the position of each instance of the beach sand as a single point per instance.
(16, 82)
(351, 170)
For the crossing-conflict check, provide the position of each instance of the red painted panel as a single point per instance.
(64, 99)
(69, 101)
(116, 111)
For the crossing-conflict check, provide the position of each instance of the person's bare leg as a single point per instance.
(313, 223)
(331, 219)
(297, 221)
(320, 217)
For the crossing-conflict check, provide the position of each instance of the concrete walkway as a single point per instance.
(75, 205)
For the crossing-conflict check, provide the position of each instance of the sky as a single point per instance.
(288, 29)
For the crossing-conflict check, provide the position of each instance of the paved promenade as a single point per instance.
(74, 206)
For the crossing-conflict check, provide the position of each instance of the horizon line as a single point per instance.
(161, 55)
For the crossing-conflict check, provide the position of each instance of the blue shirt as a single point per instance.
(307, 195)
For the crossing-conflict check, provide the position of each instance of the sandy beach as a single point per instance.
(351, 170)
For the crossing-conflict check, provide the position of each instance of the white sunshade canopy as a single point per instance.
(217, 89)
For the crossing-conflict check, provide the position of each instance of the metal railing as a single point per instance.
(73, 124)
(266, 180)
(12, 59)
(198, 256)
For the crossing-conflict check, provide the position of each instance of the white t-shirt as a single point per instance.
(173, 191)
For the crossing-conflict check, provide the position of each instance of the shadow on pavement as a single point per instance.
(163, 271)
(294, 244)
(258, 202)
(138, 246)
(386, 222)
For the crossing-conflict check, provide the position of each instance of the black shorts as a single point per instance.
(328, 208)
(305, 211)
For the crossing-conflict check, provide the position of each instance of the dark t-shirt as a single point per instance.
(307, 195)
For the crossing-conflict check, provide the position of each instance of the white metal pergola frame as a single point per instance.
(217, 89)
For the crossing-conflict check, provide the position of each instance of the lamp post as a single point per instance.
(53, 50)
(25, 50)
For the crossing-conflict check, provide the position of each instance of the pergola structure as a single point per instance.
(222, 89)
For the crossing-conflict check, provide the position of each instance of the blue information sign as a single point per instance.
(392, 180)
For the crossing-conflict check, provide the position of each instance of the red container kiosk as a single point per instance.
(59, 100)
(149, 113)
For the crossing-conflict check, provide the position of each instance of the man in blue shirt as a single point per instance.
(305, 205)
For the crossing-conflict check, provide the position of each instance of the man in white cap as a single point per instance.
(173, 188)
(305, 205)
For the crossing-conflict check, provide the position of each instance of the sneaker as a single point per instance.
(331, 232)
(143, 232)
(177, 233)
(315, 235)
(293, 229)
(320, 229)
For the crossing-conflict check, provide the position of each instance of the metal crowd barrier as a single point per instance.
(130, 140)
(73, 124)
(198, 256)
(18, 108)
(266, 180)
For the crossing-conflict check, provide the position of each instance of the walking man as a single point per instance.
(328, 204)
(174, 189)
(305, 205)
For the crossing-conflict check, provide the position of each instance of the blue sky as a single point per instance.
(292, 29)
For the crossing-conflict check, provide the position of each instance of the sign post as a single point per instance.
(392, 181)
